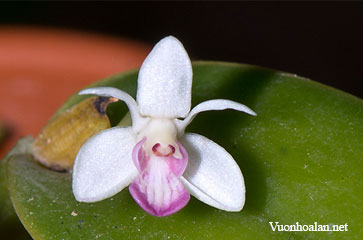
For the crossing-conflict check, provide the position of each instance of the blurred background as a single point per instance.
(321, 41)
(86, 41)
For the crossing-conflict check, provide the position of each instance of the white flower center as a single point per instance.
(160, 136)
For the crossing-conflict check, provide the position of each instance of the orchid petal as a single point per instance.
(137, 120)
(165, 81)
(212, 175)
(103, 166)
(216, 104)
(157, 189)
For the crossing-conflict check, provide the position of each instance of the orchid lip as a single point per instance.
(157, 189)
(162, 151)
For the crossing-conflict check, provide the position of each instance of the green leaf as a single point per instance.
(10, 226)
(301, 158)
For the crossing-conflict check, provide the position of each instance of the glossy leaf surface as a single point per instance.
(301, 158)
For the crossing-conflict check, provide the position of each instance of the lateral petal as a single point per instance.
(212, 175)
(137, 120)
(211, 105)
(104, 166)
(165, 81)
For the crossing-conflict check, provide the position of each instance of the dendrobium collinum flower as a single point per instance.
(162, 164)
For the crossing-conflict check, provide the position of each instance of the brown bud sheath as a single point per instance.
(60, 140)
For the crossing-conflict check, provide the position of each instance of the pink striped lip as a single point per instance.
(157, 189)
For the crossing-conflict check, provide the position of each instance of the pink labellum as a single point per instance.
(157, 188)
(161, 151)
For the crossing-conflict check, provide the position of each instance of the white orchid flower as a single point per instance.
(162, 165)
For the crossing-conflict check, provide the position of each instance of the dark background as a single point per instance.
(321, 41)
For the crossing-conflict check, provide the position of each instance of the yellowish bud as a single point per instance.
(60, 140)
